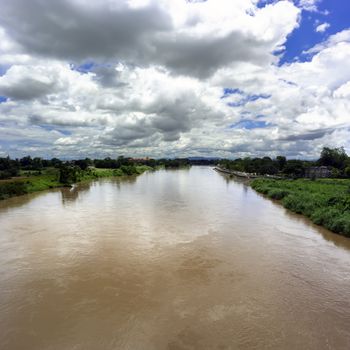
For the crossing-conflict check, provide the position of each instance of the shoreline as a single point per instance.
(325, 202)
(15, 187)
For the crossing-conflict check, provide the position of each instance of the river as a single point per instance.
(178, 259)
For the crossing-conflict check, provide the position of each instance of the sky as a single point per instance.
(174, 78)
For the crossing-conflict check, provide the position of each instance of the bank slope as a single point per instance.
(49, 178)
(326, 202)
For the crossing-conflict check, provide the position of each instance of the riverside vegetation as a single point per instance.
(325, 201)
(27, 175)
(335, 159)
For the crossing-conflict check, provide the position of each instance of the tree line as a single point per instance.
(70, 170)
(335, 159)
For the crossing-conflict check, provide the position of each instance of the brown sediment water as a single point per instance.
(183, 259)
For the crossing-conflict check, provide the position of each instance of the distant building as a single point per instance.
(318, 172)
(140, 160)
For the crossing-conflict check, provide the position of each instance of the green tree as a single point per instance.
(83, 164)
(336, 173)
(334, 157)
(281, 162)
(294, 168)
(347, 171)
(37, 164)
(68, 174)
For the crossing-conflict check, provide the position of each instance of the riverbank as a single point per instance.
(325, 201)
(49, 178)
(242, 174)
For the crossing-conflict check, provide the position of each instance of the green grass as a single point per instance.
(326, 201)
(96, 173)
(28, 184)
(48, 178)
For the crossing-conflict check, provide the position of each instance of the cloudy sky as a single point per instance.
(174, 77)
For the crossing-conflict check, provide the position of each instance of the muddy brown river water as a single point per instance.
(183, 259)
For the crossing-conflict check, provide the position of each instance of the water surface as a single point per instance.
(182, 259)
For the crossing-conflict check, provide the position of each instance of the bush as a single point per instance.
(11, 189)
(128, 169)
(278, 194)
(341, 224)
(347, 171)
(325, 216)
(68, 174)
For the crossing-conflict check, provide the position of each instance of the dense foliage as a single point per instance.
(336, 159)
(266, 165)
(8, 168)
(326, 202)
(70, 169)
(11, 189)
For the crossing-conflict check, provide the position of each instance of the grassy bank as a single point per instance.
(95, 173)
(326, 201)
(49, 178)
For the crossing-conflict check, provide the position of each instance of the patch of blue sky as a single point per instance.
(257, 97)
(263, 3)
(335, 13)
(288, 82)
(88, 67)
(3, 99)
(84, 68)
(229, 91)
(51, 128)
(249, 124)
(248, 98)
(6, 144)
(3, 69)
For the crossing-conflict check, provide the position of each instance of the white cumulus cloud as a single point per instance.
(167, 78)
(321, 28)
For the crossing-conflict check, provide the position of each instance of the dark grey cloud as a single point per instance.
(139, 133)
(107, 76)
(203, 57)
(26, 89)
(144, 36)
(311, 135)
(166, 124)
(37, 119)
(65, 29)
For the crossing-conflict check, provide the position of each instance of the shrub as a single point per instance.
(68, 174)
(341, 224)
(11, 189)
(278, 194)
(128, 169)
(325, 216)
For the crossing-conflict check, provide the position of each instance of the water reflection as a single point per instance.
(71, 194)
(338, 240)
(16, 202)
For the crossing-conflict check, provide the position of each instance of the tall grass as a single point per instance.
(326, 202)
